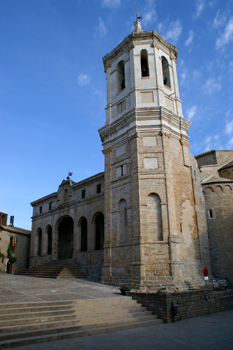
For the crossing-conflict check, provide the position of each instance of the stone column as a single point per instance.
(174, 243)
(136, 270)
(107, 265)
(33, 246)
(159, 76)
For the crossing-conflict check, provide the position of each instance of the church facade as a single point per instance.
(142, 222)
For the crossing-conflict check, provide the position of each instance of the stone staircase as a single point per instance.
(29, 323)
(55, 269)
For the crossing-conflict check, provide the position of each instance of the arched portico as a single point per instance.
(98, 219)
(65, 231)
(49, 239)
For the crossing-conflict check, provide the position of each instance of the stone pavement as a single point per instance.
(214, 331)
(16, 288)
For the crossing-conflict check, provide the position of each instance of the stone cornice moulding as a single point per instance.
(44, 199)
(107, 150)
(184, 142)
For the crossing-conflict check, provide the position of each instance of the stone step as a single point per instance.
(85, 302)
(62, 308)
(75, 312)
(34, 322)
(55, 269)
(54, 330)
(73, 334)
(20, 327)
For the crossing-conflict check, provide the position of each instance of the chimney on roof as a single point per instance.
(12, 220)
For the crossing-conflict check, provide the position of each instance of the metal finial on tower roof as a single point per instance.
(137, 18)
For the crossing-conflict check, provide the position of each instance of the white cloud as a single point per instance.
(212, 85)
(199, 8)
(111, 3)
(231, 65)
(227, 35)
(84, 79)
(210, 66)
(197, 74)
(101, 30)
(189, 41)
(149, 15)
(229, 127)
(191, 112)
(216, 137)
(219, 20)
(208, 143)
(184, 75)
(181, 62)
(213, 2)
(230, 143)
(174, 32)
(208, 139)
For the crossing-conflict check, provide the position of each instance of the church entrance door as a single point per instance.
(65, 238)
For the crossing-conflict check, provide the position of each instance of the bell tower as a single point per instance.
(152, 229)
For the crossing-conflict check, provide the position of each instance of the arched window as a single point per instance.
(83, 225)
(39, 233)
(144, 64)
(49, 234)
(154, 218)
(120, 76)
(166, 74)
(99, 231)
(122, 224)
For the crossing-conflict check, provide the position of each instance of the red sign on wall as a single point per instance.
(205, 272)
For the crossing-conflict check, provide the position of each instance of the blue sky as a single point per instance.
(52, 84)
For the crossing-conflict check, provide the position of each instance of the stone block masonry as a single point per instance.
(189, 304)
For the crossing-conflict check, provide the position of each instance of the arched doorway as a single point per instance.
(83, 225)
(99, 231)
(49, 242)
(39, 246)
(65, 238)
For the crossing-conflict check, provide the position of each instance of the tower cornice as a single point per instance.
(134, 38)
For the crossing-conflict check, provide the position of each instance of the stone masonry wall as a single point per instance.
(185, 244)
(189, 304)
(219, 199)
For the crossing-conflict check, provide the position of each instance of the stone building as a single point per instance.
(20, 242)
(216, 169)
(142, 222)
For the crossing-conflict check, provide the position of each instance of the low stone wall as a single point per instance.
(189, 304)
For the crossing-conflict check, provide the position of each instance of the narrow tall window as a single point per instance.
(166, 74)
(40, 209)
(83, 234)
(120, 76)
(144, 63)
(39, 246)
(99, 230)
(98, 188)
(49, 243)
(50, 206)
(211, 214)
(83, 194)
